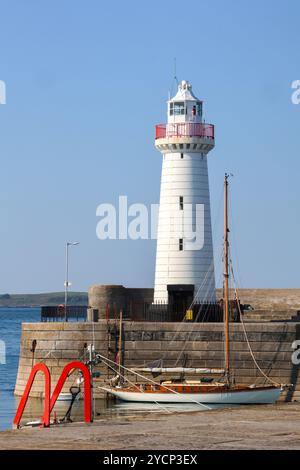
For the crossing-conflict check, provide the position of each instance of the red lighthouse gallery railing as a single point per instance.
(185, 129)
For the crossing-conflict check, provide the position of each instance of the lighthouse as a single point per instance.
(184, 268)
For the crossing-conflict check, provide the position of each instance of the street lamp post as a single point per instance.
(67, 283)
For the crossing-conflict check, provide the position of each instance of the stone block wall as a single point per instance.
(59, 343)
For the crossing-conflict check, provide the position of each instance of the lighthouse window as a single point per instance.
(177, 108)
(181, 203)
(180, 244)
(199, 109)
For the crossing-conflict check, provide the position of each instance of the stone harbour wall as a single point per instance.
(59, 343)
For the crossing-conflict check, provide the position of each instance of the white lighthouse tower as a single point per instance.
(184, 257)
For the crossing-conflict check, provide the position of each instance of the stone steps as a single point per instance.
(271, 315)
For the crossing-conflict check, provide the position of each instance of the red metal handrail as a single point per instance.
(46, 416)
(87, 387)
(184, 129)
(49, 404)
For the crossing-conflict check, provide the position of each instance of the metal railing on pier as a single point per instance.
(145, 312)
(58, 313)
(176, 312)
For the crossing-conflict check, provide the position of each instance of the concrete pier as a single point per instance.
(252, 427)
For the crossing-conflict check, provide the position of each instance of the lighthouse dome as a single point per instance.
(184, 92)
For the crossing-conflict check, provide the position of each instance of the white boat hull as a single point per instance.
(63, 397)
(250, 396)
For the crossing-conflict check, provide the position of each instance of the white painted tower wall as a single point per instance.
(184, 142)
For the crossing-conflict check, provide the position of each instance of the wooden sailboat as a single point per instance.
(220, 392)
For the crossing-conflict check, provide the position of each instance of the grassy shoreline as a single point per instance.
(37, 300)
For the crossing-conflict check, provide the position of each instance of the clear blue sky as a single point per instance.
(87, 82)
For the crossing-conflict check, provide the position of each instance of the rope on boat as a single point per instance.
(245, 332)
(119, 374)
(150, 380)
(209, 272)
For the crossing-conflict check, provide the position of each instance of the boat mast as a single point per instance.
(226, 282)
(120, 347)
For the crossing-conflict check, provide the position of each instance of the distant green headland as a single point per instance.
(36, 300)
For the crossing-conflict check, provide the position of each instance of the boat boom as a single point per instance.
(191, 370)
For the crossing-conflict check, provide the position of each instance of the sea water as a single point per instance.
(10, 333)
